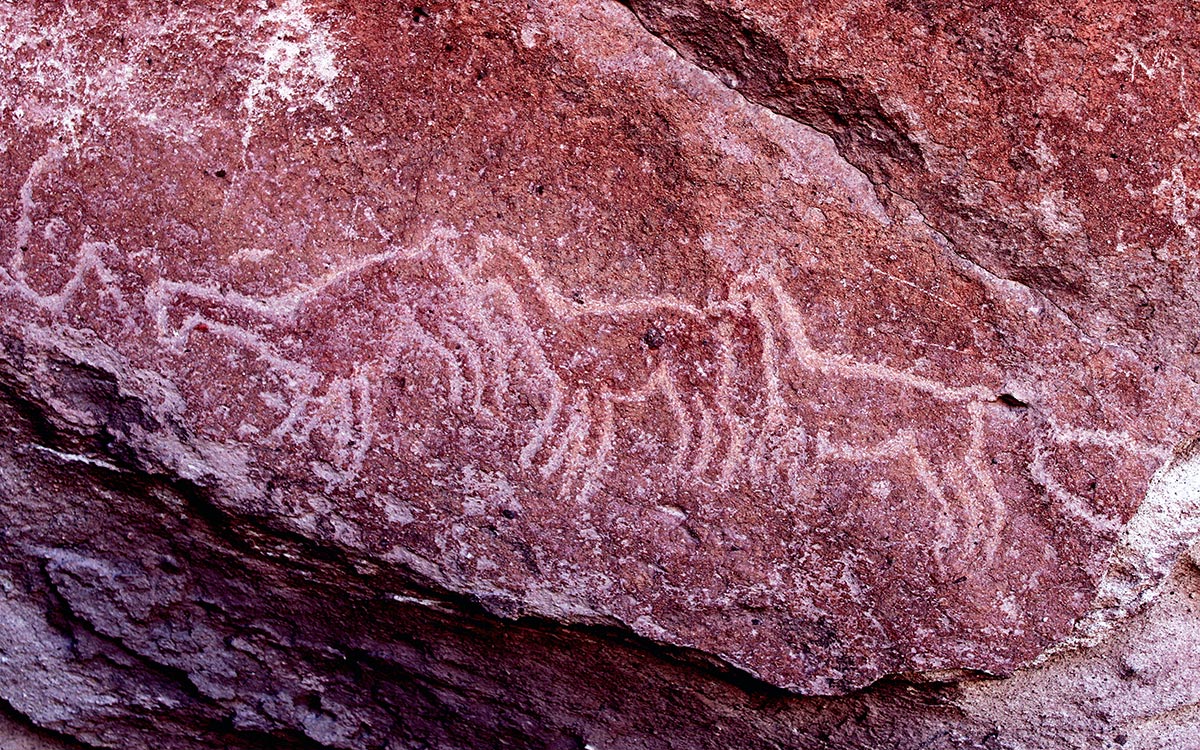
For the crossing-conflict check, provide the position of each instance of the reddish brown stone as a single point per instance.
(517, 298)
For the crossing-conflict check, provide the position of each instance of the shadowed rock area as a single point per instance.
(587, 375)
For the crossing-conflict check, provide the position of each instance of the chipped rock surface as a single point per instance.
(808, 359)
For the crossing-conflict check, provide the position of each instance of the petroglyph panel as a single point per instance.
(470, 289)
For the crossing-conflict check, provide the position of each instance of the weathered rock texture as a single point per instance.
(571, 374)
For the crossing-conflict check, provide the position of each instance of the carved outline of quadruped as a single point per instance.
(575, 435)
(344, 406)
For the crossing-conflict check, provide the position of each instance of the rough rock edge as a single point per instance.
(950, 710)
(17, 732)
(166, 450)
(159, 455)
(1164, 527)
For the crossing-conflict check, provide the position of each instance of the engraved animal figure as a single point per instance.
(727, 397)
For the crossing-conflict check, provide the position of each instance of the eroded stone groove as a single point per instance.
(394, 351)
(751, 61)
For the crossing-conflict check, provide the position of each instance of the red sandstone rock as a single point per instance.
(516, 298)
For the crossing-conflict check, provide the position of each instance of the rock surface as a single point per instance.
(452, 375)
